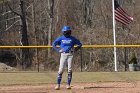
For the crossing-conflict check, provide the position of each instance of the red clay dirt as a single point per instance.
(101, 87)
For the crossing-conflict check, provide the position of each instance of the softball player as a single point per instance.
(66, 43)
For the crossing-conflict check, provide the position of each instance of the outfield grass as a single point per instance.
(35, 78)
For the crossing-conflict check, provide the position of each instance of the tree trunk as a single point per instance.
(51, 7)
(26, 62)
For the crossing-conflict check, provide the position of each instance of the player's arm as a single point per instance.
(78, 43)
(55, 43)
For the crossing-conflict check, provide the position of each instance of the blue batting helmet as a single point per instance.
(66, 28)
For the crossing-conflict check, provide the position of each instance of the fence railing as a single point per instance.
(84, 46)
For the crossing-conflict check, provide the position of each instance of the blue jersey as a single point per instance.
(66, 43)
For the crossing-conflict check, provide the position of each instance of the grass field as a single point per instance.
(35, 78)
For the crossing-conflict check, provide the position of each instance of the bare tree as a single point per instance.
(26, 62)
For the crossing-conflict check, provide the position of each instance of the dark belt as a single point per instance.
(68, 52)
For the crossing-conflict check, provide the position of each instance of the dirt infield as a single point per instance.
(101, 87)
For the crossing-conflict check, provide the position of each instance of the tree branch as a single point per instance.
(13, 10)
(10, 18)
(12, 25)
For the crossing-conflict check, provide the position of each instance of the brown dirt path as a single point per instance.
(102, 87)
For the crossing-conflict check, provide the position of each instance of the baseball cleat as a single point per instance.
(68, 87)
(57, 87)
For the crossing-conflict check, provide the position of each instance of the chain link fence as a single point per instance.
(86, 59)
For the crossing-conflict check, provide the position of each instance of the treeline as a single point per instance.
(39, 22)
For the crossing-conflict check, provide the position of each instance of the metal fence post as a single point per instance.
(81, 59)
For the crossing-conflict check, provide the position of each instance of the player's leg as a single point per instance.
(69, 60)
(61, 69)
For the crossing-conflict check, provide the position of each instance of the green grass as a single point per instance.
(34, 78)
